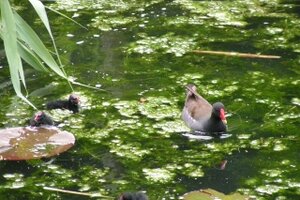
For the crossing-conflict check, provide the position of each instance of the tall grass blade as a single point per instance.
(40, 10)
(31, 39)
(10, 39)
(10, 44)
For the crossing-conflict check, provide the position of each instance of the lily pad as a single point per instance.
(25, 143)
(210, 194)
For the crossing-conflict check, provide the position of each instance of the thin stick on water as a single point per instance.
(76, 193)
(237, 54)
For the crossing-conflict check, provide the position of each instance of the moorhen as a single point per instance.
(71, 104)
(133, 196)
(40, 118)
(200, 116)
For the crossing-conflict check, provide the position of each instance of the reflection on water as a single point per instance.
(205, 136)
(130, 137)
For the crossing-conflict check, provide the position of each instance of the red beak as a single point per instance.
(222, 116)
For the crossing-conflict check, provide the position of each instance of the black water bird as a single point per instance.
(199, 115)
(40, 118)
(71, 104)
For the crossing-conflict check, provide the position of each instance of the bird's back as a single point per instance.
(59, 104)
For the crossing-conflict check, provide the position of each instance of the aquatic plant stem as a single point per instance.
(75, 192)
(237, 54)
(65, 16)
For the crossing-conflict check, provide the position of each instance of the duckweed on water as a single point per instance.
(274, 173)
(269, 189)
(296, 101)
(113, 6)
(276, 144)
(158, 175)
(127, 108)
(192, 170)
(106, 24)
(108, 12)
(190, 78)
(130, 151)
(15, 181)
(244, 136)
(154, 108)
(159, 108)
(176, 126)
(129, 138)
(168, 43)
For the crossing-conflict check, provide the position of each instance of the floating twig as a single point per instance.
(76, 193)
(237, 54)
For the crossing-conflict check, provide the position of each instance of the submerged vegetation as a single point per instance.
(130, 137)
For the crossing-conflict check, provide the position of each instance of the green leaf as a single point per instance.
(30, 57)
(10, 44)
(34, 42)
(40, 10)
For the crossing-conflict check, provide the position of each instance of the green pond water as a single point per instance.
(129, 136)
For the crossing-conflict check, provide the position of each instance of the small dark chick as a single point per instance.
(40, 118)
(133, 196)
(71, 104)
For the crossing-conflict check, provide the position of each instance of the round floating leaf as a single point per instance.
(210, 194)
(24, 143)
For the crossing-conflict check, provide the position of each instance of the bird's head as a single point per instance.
(219, 111)
(74, 99)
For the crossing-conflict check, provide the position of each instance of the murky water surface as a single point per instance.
(130, 136)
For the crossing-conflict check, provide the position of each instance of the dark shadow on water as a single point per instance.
(239, 165)
(10, 167)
